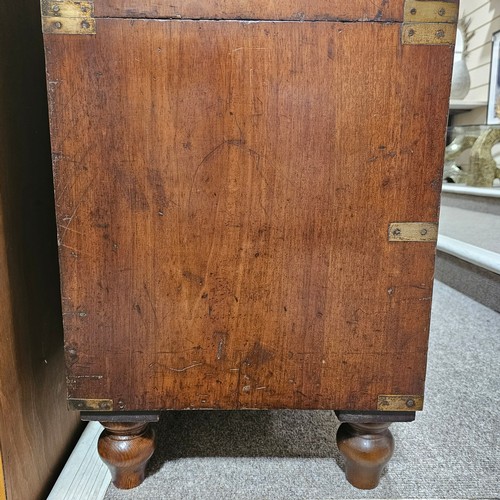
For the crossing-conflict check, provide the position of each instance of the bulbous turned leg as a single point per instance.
(126, 447)
(367, 448)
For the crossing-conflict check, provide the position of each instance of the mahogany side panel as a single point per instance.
(223, 195)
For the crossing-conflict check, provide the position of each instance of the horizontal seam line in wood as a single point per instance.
(253, 20)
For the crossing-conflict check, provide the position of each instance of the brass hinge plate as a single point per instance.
(90, 404)
(400, 403)
(413, 231)
(68, 17)
(429, 23)
(429, 34)
(420, 11)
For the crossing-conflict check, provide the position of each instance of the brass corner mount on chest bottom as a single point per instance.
(398, 402)
(68, 17)
(90, 404)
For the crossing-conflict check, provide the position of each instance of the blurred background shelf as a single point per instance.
(459, 106)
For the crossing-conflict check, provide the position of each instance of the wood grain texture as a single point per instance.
(379, 10)
(224, 192)
(36, 430)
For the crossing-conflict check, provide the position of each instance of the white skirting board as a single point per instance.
(84, 476)
(493, 192)
(475, 255)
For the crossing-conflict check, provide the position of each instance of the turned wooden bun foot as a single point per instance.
(367, 448)
(126, 447)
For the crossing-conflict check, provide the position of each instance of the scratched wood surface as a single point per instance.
(224, 191)
(378, 10)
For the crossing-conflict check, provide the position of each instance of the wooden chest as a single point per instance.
(247, 199)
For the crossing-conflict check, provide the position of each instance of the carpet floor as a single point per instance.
(451, 451)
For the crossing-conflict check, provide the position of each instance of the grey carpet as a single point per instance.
(451, 451)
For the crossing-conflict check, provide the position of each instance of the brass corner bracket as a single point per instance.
(400, 403)
(429, 22)
(413, 231)
(68, 17)
(90, 404)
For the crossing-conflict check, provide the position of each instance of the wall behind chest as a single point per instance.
(484, 18)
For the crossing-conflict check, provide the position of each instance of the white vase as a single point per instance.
(460, 81)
